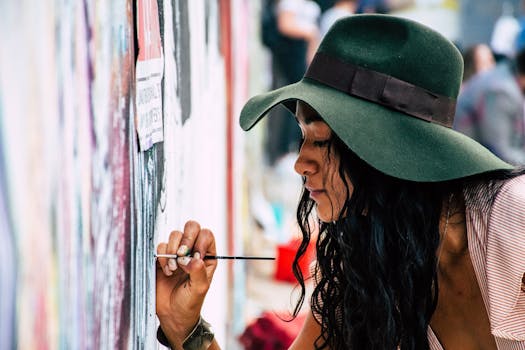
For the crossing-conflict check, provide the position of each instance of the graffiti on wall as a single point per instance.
(181, 42)
(82, 206)
(65, 96)
(194, 103)
(8, 267)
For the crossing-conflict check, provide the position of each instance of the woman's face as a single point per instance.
(319, 166)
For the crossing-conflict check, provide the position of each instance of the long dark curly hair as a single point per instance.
(376, 277)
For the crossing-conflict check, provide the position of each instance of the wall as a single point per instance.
(82, 203)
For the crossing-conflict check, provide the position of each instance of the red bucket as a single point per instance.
(285, 256)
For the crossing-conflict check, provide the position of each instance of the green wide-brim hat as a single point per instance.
(387, 86)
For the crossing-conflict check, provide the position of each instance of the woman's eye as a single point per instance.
(322, 143)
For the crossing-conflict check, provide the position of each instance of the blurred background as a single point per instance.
(119, 122)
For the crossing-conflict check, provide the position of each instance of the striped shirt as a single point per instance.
(495, 218)
(496, 240)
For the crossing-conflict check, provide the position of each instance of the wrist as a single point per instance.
(176, 332)
(200, 338)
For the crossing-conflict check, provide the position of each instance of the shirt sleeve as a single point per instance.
(506, 261)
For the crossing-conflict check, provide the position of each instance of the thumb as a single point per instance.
(195, 267)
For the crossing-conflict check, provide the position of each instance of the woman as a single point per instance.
(422, 230)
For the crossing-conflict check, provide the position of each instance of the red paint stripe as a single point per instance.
(226, 48)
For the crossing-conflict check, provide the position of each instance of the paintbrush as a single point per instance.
(218, 257)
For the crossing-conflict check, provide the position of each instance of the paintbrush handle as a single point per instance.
(212, 257)
(220, 257)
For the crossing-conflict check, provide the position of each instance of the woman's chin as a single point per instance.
(328, 217)
(325, 218)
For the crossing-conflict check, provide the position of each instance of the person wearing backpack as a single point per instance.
(290, 31)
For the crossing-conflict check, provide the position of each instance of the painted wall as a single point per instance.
(82, 204)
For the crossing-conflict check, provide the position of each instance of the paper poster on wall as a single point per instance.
(149, 71)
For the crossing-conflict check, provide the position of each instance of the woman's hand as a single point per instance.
(183, 283)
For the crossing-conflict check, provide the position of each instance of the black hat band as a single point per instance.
(382, 89)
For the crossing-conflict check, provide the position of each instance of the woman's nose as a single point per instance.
(304, 165)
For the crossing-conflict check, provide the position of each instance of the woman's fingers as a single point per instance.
(193, 241)
(173, 246)
(181, 292)
(195, 244)
(163, 262)
(191, 231)
(205, 243)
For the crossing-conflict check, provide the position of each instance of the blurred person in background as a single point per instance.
(297, 36)
(373, 6)
(343, 8)
(421, 229)
(503, 38)
(477, 58)
(340, 9)
(382, 6)
(299, 19)
(325, 4)
(490, 109)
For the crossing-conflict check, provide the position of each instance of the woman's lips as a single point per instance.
(315, 193)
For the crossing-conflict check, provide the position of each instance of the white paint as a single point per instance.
(195, 155)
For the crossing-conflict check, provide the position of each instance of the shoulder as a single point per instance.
(498, 206)
(504, 82)
(512, 195)
(495, 193)
(508, 209)
(308, 335)
(305, 7)
(497, 80)
(289, 5)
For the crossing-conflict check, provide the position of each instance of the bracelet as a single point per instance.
(200, 337)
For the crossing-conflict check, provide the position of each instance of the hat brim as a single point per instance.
(390, 141)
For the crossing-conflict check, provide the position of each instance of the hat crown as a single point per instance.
(387, 87)
(397, 47)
